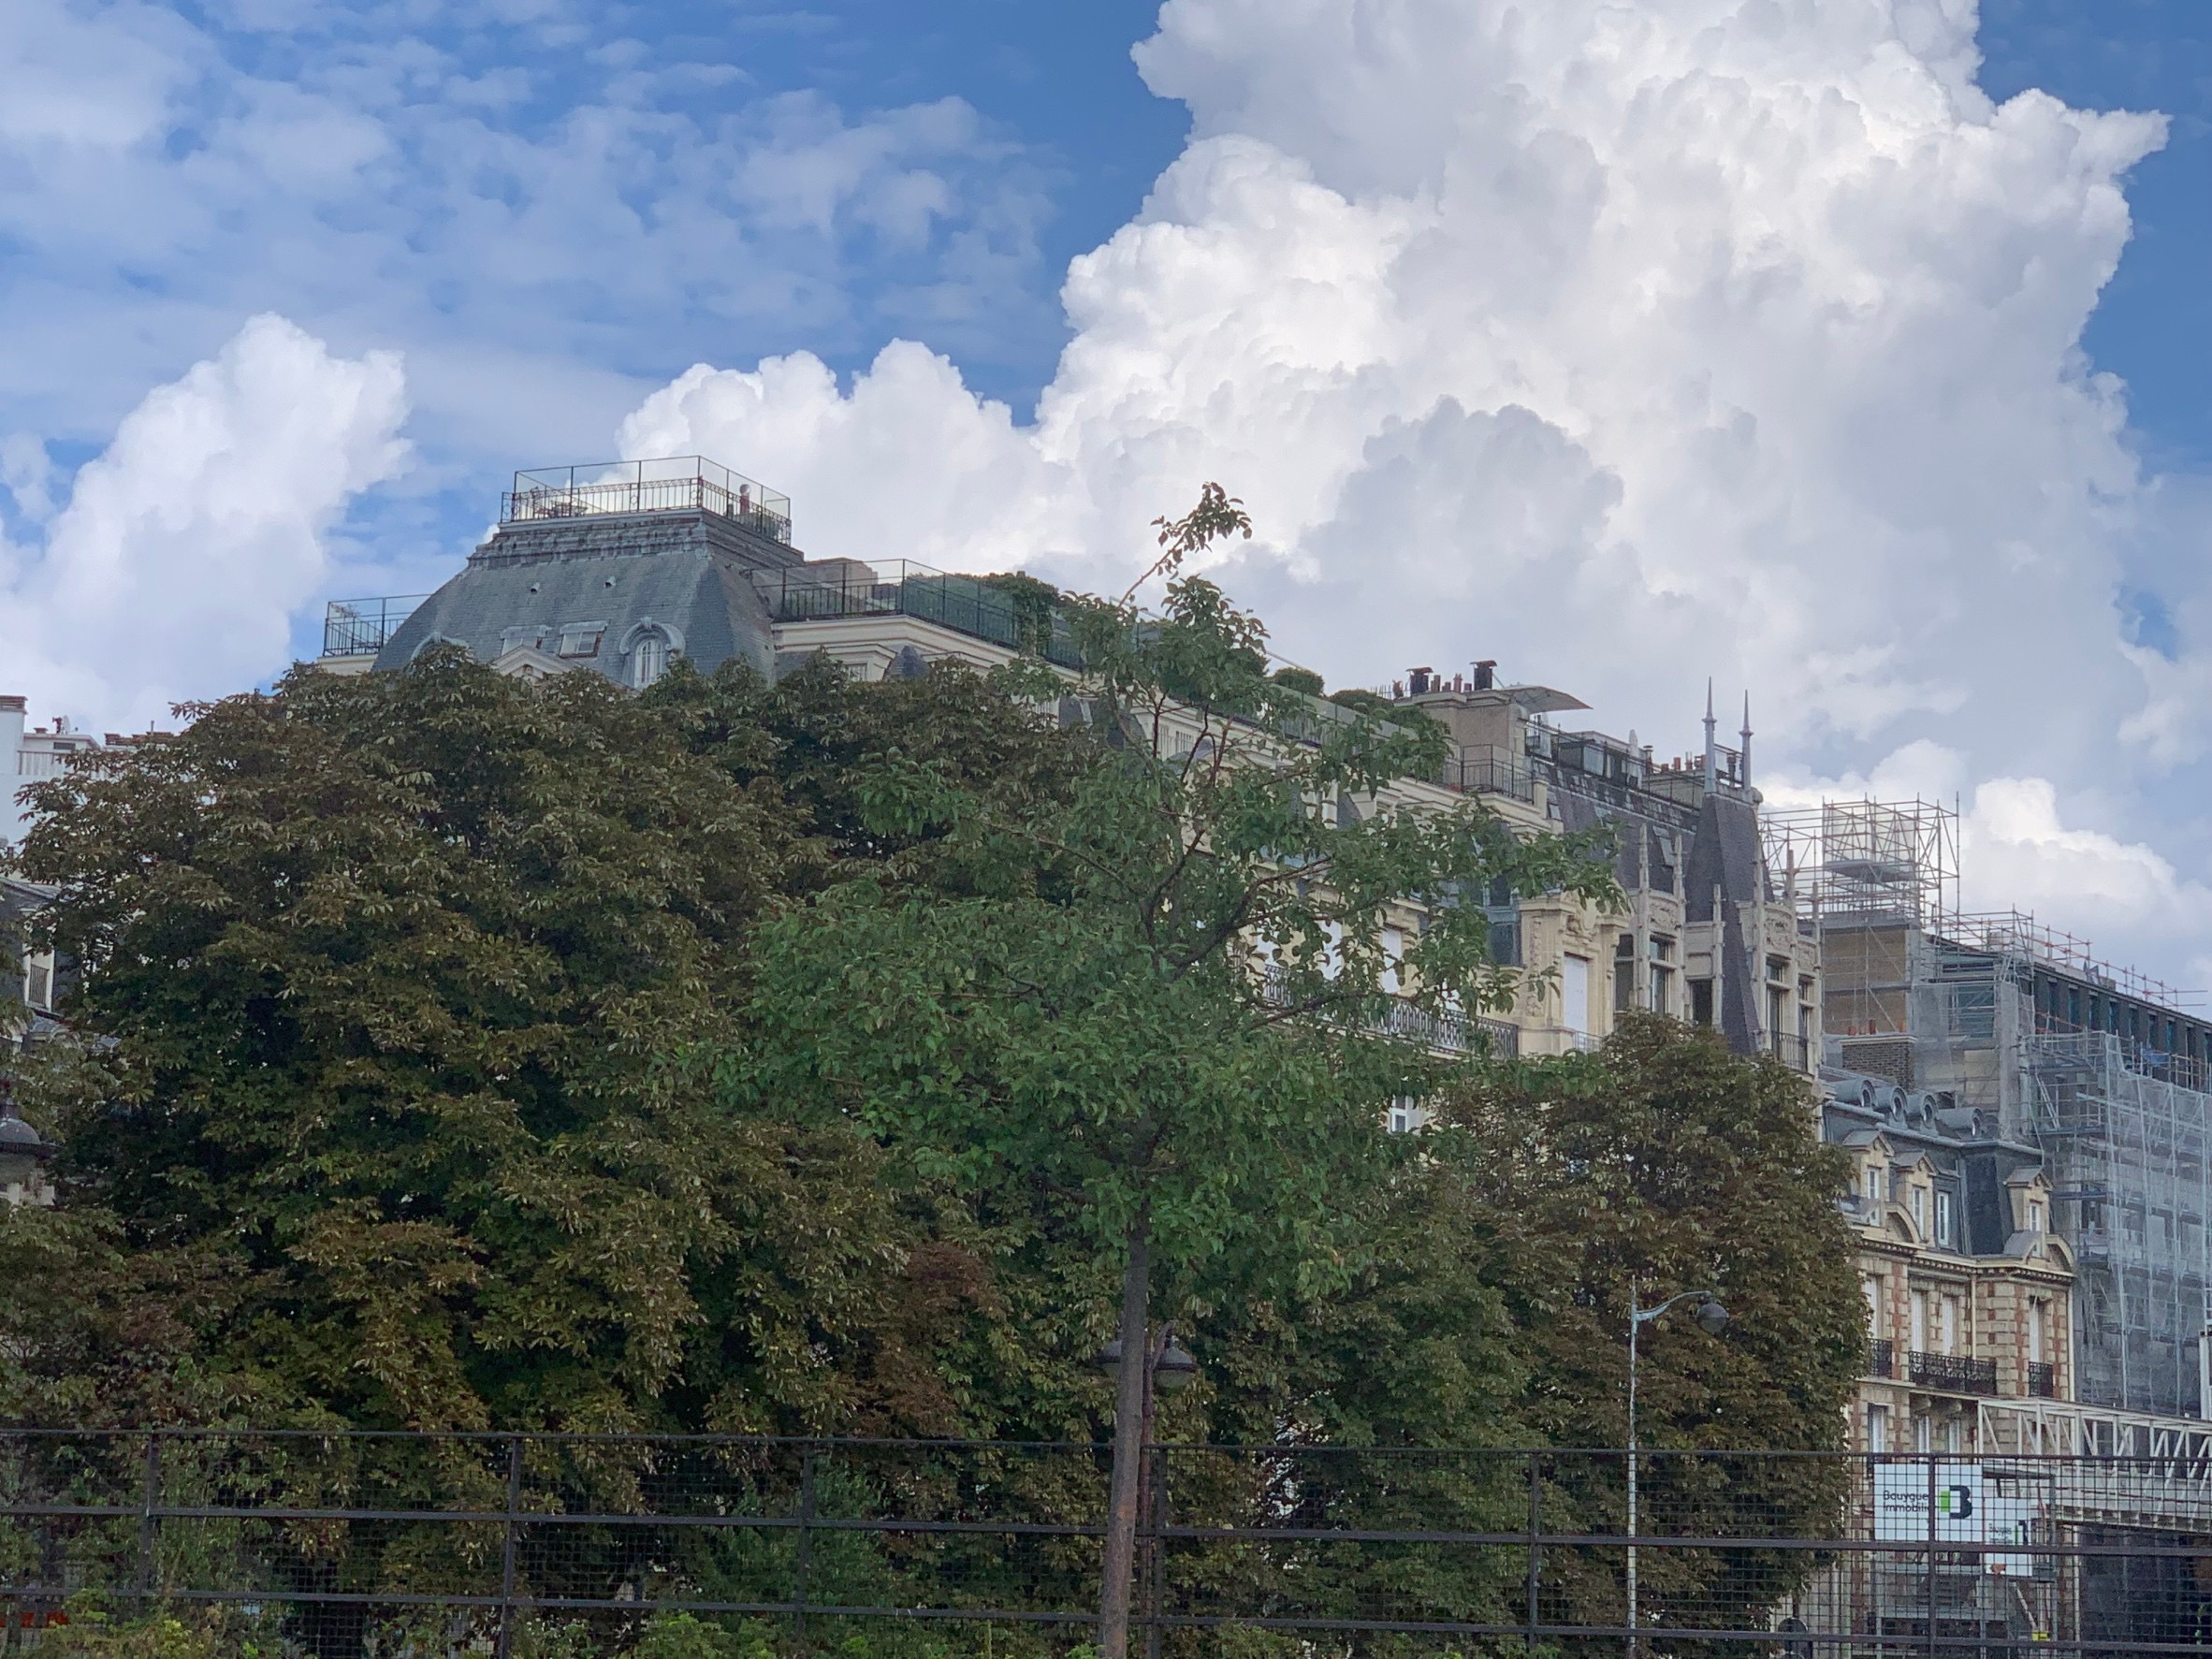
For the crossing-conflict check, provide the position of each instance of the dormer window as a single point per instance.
(2035, 1220)
(1871, 1184)
(1947, 1221)
(1920, 1211)
(649, 659)
(581, 639)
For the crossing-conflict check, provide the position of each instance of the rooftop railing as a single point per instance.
(675, 484)
(1002, 613)
(359, 627)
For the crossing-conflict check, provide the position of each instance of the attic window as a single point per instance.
(581, 639)
(2034, 1215)
(649, 659)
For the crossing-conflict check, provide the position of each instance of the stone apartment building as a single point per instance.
(1968, 1290)
(623, 569)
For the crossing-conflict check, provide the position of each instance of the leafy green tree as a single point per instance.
(1166, 1000)
(1666, 1164)
(403, 976)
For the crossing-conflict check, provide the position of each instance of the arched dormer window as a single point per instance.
(648, 646)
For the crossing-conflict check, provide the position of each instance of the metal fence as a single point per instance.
(360, 1545)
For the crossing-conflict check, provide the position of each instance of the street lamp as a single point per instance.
(1171, 1367)
(1712, 1318)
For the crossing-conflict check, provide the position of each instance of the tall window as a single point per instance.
(649, 659)
(1946, 1222)
(1877, 1428)
(1575, 994)
(1920, 1321)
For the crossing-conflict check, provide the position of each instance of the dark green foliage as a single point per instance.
(798, 1057)
(408, 978)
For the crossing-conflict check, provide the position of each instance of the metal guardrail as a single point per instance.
(668, 485)
(1881, 1357)
(972, 606)
(358, 1543)
(2043, 1379)
(359, 627)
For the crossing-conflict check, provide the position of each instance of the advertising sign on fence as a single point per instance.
(1972, 1506)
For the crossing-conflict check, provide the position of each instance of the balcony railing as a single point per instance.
(1486, 769)
(1018, 617)
(1954, 1374)
(683, 483)
(1452, 1034)
(1792, 1049)
(1881, 1358)
(2043, 1379)
(359, 627)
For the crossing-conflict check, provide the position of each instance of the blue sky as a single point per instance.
(1763, 361)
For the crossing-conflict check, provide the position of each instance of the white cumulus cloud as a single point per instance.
(1625, 345)
(183, 549)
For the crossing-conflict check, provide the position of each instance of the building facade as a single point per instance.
(29, 754)
(1969, 1292)
(2095, 1067)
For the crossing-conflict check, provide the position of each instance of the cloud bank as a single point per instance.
(1626, 344)
(172, 569)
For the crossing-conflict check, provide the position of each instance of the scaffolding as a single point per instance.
(2127, 1153)
(1873, 877)
(1947, 1003)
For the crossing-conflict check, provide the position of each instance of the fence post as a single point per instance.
(148, 1567)
(806, 1535)
(1157, 1579)
(1932, 1555)
(1536, 1533)
(507, 1549)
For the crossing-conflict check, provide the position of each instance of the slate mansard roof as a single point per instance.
(597, 590)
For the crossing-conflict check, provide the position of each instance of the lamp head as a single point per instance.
(1176, 1368)
(1713, 1319)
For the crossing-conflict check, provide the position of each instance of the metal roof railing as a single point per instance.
(898, 587)
(670, 483)
(359, 627)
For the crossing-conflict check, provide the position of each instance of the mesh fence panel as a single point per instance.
(190, 1543)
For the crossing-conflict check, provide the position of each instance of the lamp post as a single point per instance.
(1167, 1365)
(1713, 1319)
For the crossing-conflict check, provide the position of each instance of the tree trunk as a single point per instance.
(1119, 1569)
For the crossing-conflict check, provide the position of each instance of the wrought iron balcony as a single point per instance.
(2043, 1379)
(1881, 1358)
(1954, 1374)
(681, 483)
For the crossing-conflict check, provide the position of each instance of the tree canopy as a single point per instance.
(459, 1050)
